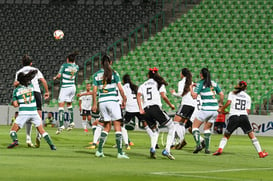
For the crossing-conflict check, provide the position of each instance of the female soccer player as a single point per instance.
(187, 106)
(150, 92)
(68, 72)
(132, 109)
(85, 101)
(23, 97)
(207, 89)
(239, 102)
(27, 66)
(105, 82)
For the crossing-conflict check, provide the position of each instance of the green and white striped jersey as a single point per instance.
(69, 72)
(106, 92)
(26, 100)
(208, 95)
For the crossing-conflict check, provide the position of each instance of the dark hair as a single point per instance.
(153, 73)
(26, 60)
(71, 58)
(206, 74)
(240, 87)
(126, 79)
(25, 79)
(186, 73)
(107, 75)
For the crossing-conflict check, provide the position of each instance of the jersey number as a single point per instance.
(149, 93)
(29, 96)
(240, 104)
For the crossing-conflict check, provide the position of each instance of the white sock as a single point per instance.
(154, 139)
(97, 134)
(28, 132)
(256, 144)
(149, 131)
(171, 131)
(179, 131)
(223, 143)
(84, 124)
(124, 135)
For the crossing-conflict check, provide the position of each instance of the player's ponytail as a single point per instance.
(206, 74)
(25, 79)
(187, 74)
(107, 75)
(126, 79)
(153, 73)
(72, 57)
(240, 87)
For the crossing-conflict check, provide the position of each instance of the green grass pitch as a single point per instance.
(72, 161)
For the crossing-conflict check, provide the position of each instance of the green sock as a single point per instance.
(61, 117)
(102, 139)
(47, 138)
(71, 117)
(13, 135)
(119, 142)
(207, 139)
(90, 123)
(196, 136)
(93, 129)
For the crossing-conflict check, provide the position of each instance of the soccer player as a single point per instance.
(27, 66)
(23, 97)
(150, 92)
(85, 102)
(68, 73)
(187, 106)
(105, 82)
(240, 103)
(207, 89)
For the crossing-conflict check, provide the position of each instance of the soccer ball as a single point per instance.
(58, 34)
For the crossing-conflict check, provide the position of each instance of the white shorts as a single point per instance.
(209, 116)
(34, 119)
(110, 111)
(67, 94)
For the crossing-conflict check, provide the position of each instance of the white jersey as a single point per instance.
(131, 104)
(187, 98)
(34, 81)
(239, 103)
(86, 101)
(150, 93)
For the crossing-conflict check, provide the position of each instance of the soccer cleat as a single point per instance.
(99, 154)
(172, 147)
(180, 145)
(167, 154)
(127, 147)
(52, 147)
(60, 129)
(198, 148)
(122, 156)
(219, 151)
(30, 145)
(263, 154)
(37, 142)
(70, 126)
(86, 130)
(152, 154)
(14, 144)
(207, 151)
(131, 143)
(93, 146)
(157, 146)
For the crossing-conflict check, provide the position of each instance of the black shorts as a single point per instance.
(235, 122)
(188, 124)
(86, 112)
(154, 114)
(185, 111)
(130, 115)
(38, 98)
